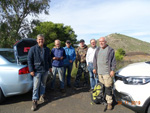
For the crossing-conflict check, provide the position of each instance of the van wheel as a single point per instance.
(1, 96)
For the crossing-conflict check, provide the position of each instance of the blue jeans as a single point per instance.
(58, 70)
(39, 83)
(93, 78)
(69, 68)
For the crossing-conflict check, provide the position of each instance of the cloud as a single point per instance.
(100, 17)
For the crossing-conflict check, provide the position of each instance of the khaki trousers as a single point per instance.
(107, 81)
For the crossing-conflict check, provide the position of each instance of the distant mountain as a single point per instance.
(129, 44)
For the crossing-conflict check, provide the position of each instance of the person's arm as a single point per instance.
(53, 56)
(113, 64)
(77, 57)
(74, 55)
(95, 62)
(31, 61)
(87, 57)
(64, 54)
(49, 60)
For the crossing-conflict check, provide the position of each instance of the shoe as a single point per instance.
(42, 98)
(62, 90)
(109, 106)
(34, 105)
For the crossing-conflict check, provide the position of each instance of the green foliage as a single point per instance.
(14, 24)
(54, 31)
(119, 54)
(121, 51)
(74, 71)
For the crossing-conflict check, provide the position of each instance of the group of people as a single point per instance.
(99, 62)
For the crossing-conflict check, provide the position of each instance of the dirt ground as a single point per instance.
(137, 58)
(72, 101)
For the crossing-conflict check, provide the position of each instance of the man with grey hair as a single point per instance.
(58, 54)
(89, 62)
(39, 63)
(104, 64)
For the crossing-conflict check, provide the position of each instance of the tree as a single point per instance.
(14, 23)
(53, 31)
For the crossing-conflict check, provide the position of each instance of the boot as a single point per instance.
(34, 105)
(109, 106)
(43, 99)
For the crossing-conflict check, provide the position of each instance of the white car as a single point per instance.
(132, 87)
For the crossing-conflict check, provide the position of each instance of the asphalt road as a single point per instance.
(73, 101)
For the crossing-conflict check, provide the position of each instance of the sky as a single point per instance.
(96, 18)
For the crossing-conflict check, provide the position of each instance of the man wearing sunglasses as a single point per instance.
(68, 61)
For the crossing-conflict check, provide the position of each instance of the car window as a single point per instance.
(9, 55)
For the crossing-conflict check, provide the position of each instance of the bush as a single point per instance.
(121, 51)
(119, 54)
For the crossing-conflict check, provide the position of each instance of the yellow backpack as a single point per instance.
(98, 94)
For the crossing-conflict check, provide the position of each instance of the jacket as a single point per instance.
(35, 62)
(58, 52)
(81, 54)
(110, 57)
(70, 55)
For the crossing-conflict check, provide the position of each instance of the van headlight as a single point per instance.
(136, 80)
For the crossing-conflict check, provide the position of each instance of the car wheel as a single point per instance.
(148, 110)
(1, 96)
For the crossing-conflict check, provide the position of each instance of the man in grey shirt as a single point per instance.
(104, 64)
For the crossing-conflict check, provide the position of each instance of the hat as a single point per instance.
(68, 41)
(81, 40)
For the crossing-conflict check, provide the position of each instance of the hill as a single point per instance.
(129, 44)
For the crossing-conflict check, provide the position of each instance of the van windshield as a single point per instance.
(9, 55)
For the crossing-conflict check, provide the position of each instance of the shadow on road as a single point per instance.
(50, 95)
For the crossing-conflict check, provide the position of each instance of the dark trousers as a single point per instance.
(81, 69)
(69, 69)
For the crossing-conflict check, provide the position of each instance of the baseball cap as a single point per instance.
(82, 40)
(68, 41)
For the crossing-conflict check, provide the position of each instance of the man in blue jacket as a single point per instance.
(58, 54)
(39, 63)
(68, 62)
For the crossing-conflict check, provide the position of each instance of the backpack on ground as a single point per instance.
(97, 94)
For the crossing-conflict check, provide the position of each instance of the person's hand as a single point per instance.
(61, 58)
(112, 73)
(55, 58)
(70, 61)
(32, 73)
(50, 69)
(94, 71)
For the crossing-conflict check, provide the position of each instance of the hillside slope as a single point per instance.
(129, 44)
